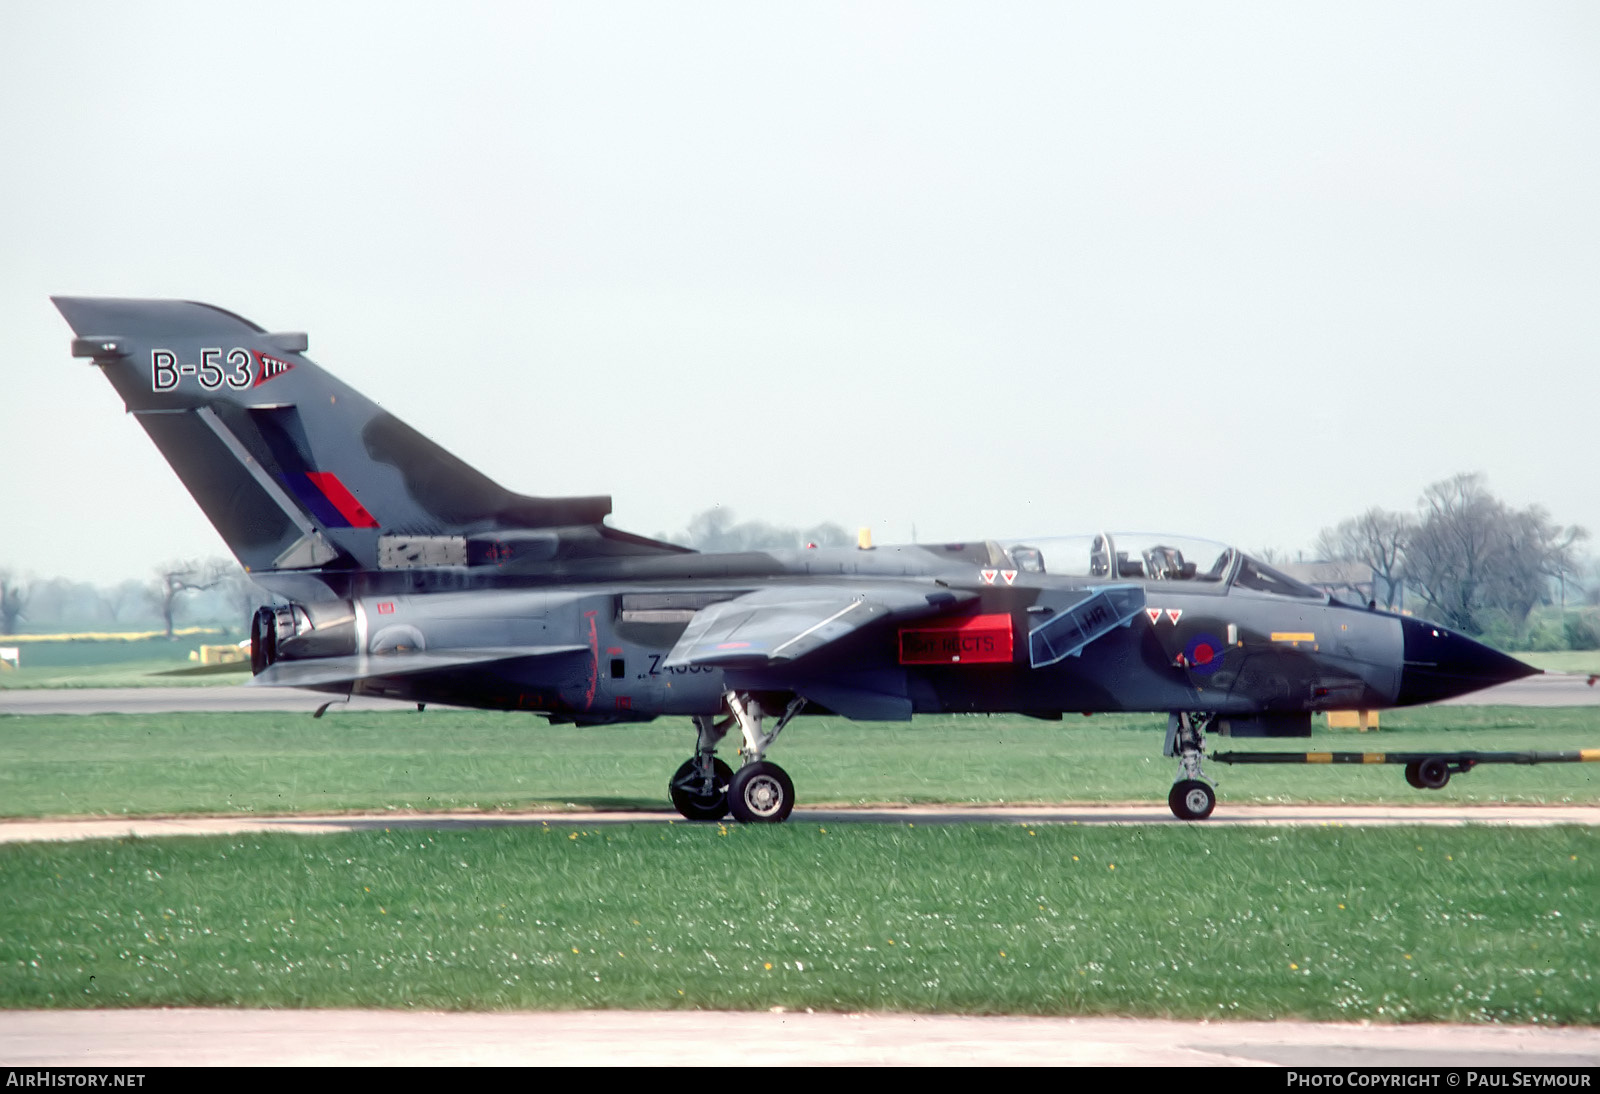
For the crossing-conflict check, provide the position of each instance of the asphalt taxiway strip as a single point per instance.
(1323, 816)
(162, 1038)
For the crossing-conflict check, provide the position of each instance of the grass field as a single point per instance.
(451, 760)
(1461, 925)
(144, 673)
(1467, 925)
(66, 657)
(1563, 660)
(1473, 924)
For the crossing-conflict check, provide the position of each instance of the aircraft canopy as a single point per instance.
(1202, 564)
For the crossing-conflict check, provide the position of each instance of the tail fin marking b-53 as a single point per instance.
(294, 468)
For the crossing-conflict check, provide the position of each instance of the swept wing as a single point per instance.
(782, 623)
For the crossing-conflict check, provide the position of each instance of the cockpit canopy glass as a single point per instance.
(1139, 556)
(1203, 565)
(1261, 578)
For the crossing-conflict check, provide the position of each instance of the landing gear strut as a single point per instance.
(1191, 798)
(699, 789)
(705, 788)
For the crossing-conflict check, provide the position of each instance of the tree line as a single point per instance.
(718, 529)
(215, 590)
(1477, 564)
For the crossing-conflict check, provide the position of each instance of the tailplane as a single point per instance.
(299, 471)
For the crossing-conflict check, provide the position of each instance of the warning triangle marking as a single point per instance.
(1009, 575)
(1154, 614)
(989, 576)
(1173, 613)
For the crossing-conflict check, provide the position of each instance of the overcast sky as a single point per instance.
(985, 269)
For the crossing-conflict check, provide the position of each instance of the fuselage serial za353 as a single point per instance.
(410, 575)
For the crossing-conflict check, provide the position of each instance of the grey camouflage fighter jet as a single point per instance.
(408, 574)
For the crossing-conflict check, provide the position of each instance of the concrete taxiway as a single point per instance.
(159, 1038)
(1318, 816)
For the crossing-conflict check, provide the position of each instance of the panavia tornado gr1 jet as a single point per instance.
(408, 574)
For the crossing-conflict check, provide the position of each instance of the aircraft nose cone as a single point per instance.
(1440, 664)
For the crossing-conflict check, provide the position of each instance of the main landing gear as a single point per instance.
(1191, 797)
(705, 788)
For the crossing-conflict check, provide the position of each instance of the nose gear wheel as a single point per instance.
(1191, 799)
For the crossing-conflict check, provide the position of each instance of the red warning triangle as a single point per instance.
(1154, 614)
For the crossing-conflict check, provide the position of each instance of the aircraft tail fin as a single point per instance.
(299, 471)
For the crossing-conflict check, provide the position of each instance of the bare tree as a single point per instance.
(1377, 538)
(1471, 554)
(60, 601)
(1458, 543)
(14, 594)
(117, 599)
(181, 576)
(1559, 548)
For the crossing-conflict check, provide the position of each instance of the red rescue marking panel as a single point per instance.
(975, 639)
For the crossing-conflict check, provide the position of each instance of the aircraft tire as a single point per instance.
(1414, 775)
(697, 806)
(761, 793)
(1433, 773)
(1190, 799)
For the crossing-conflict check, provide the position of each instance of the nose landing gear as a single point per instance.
(1191, 797)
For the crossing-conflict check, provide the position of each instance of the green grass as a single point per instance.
(89, 655)
(1563, 660)
(1461, 925)
(1473, 924)
(450, 760)
(145, 673)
